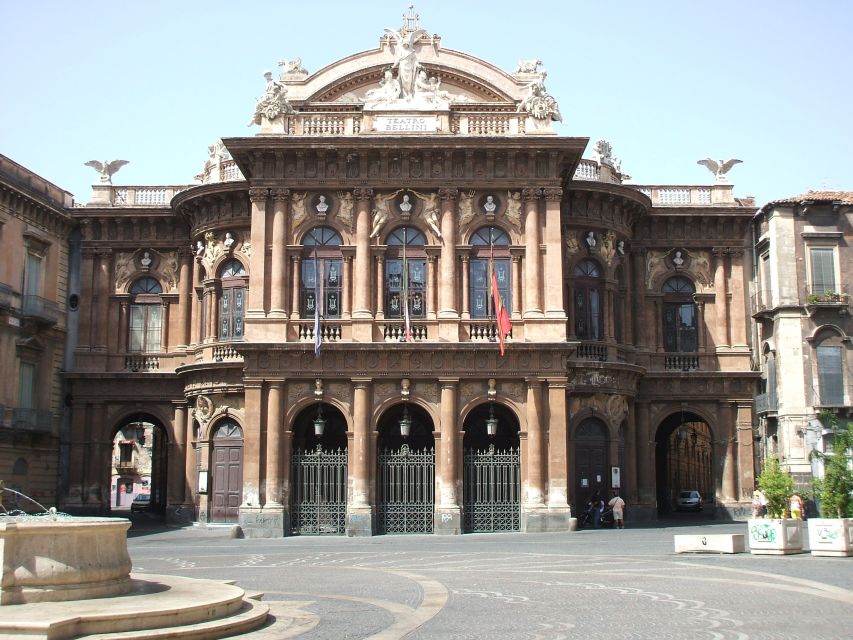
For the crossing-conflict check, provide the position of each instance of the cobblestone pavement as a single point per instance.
(589, 584)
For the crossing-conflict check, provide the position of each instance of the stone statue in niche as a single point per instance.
(490, 205)
(145, 261)
(406, 207)
(199, 249)
(678, 260)
(590, 240)
(229, 241)
(620, 247)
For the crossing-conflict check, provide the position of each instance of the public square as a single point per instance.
(591, 584)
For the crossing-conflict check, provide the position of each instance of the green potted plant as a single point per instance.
(832, 533)
(775, 534)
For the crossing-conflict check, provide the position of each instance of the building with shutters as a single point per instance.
(803, 327)
(311, 326)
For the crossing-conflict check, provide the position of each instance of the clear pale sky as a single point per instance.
(667, 83)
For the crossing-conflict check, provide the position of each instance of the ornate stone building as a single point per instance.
(35, 228)
(803, 326)
(312, 327)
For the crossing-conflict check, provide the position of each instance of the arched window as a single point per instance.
(405, 275)
(322, 273)
(587, 303)
(679, 315)
(489, 246)
(830, 369)
(146, 313)
(232, 300)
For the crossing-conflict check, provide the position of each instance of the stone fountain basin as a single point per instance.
(43, 560)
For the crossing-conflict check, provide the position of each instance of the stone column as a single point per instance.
(278, 266)
(164, 326)
(515, 255)
(296, 274)
(346, 302)
(123, 326)
(645, 455)
(190, 466)
(361, 290)
(729, 443)
(257, 261)
(275, 519)
(638, 271)
(534, 499)
(629, 473)
(466, 288)
(102, 290)
(553, 281)
(253, 526)
(721, 328)
(447, 263)
(701, 328)
(196, 330)
(359, 510)
(558, 466)
(380, 287)
(178, 510)
(746, 454)
(432, 274)
(185, 298)
(737, 316)
(532, 269)
(448, 514)
(87, 292)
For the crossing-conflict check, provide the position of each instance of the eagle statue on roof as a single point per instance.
(106, 168)
(719, 167)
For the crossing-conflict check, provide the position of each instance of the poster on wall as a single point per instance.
(615, 478)
(202, 481)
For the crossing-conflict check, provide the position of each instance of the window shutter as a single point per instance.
(823, 270)
(830, 376)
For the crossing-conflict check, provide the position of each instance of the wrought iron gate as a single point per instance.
(318, 502)
(492, 489)
(406, 488)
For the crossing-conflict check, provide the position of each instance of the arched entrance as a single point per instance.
(139, 465)
(684, 459)
(491, 470)
(318, 472)
(591, 462)
(227, 470)
(405, 473)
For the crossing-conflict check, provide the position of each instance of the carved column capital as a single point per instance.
(258, 195)
(281, 194)
(529, 194)
(553, 194)
(718, 251)
(362, 193)
(448, 193)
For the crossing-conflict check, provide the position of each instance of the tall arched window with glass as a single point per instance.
(232, 277)
(587, 303)
(322, 274)
(146, 316)
(679, 315)
(489, 246)
(405, 273)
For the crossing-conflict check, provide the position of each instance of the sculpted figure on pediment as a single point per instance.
(273, 103)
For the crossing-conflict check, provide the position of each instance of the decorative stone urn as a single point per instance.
(44, 560)
(775, 536)
(831, 536)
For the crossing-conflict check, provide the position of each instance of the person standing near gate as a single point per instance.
(618, 505)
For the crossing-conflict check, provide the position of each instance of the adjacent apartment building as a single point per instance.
(802, 322)
(35, 233)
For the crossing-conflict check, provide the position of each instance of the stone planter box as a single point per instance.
(774, 536)
(44, 560)
(831, 536)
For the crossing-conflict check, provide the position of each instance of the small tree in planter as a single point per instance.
(834, 489)
(775, 535)
(832, 534)
(777, 485)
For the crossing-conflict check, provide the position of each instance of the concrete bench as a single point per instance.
(711, 543)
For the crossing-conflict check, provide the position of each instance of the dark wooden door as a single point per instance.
(227, 471)
(591, 470)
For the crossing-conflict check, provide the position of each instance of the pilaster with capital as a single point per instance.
(273, 476)
(176, 491)
(87, 277)
(185, 302)
(553, 282)
(645, 454)
(535, 444)
(257, 261)
(738, 303)
(532, 258)
(558, 472)
(295, 271)
(447, 287)
(278, 258)
(722, 331)
(361, 290)
(728, 442)
(102, 304)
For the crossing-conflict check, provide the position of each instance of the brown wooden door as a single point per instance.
(591, 471)
(227, 471)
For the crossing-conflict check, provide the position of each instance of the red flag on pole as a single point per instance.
(504, 326)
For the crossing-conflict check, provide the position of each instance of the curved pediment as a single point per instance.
(465, 78)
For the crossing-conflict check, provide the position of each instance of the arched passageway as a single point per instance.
(491, 470)
(318, 472)
(139, 465)
(405, 471)
(684, 459)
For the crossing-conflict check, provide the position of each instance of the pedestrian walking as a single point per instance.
(796, 507)
(597, 510)
(618, 505)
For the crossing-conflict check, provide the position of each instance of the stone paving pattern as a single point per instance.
(590, 584)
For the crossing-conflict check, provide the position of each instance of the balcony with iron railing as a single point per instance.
(40, 309)
(766, 403)
(827, 296)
